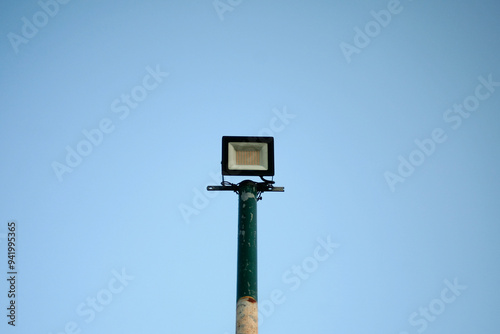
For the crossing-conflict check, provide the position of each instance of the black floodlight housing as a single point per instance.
(248, 156)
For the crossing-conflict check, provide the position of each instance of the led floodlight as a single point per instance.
(248, 156)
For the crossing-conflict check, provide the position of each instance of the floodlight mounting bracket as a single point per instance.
(259, 186)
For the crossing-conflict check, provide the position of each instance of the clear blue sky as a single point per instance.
(386, 122)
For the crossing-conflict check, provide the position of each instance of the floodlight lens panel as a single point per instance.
(248, 157)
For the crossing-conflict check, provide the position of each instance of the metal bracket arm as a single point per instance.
(261, 187)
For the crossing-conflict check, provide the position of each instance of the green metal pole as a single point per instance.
(246, 290)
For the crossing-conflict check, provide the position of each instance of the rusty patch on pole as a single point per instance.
(251, 300)
(246, 316)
